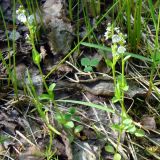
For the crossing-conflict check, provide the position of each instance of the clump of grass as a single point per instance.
(155, 52)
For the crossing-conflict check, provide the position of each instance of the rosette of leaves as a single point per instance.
(89, 64)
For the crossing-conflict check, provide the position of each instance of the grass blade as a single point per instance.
(89, 104)
(104, 48)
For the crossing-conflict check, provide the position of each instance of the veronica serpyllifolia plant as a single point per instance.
(118, 47)
(29, 22)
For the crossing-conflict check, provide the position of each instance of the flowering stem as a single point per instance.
(114, 72)
(122, 90)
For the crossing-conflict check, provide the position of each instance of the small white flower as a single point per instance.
(20, 10)
(27, 36)
(17, 11)
(123, 41)
(116, 38)
(109, 29)
(14, 35)
(31, 19)
(116, 29)
(106, 35)
(22, 18)
(121, 49)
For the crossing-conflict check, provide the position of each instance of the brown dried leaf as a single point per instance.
(32, 153)
(65, 68)
(148, 122)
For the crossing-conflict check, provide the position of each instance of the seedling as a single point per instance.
(67, 120)
(128, 126)
(89, 64)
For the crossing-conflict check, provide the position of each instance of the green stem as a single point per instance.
(150, 82)
(119, 140)
(124, 114)
(114, 71)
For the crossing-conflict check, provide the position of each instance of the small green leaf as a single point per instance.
(60, 118)
(67, 116)
(127, 121)
(77, 118)
(44, 97)
(139, 133)
(85, 61)
(36, 57)
(70, 137)
(51, 87)
(127, 57)
(72, 110)
(69, 124)
(114, 100)
(78, 129)
(88, 69)
(131, 129)
(116, 127)
(117, 156)
(109, 62)
(109, 149)
(94, 62)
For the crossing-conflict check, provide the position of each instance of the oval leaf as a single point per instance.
(51, 87)
(94, 62)
(127, 121)
(69, 124)
(85, 61)
(78, 129)
(117, 156)
(139, 133)
(88, 69)
(109, 149)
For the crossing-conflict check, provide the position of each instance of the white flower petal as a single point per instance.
(116, 38)
(121, 49)
(31, 19)
(106, 35)
(14, 35)
(116, 29)
(22, 18)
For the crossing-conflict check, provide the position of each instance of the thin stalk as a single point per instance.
(154, 57)
(78, 26)
(150, 81)
(43, 79)
(118, 140)
(8, 66)
(50, 142)
(114, 72)
(70, 10)
(14, 52)
(128, 14)
(124, 114)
